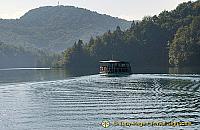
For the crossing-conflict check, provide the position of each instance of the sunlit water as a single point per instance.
(82, 103)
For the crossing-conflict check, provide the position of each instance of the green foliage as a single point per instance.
(179, 48)
(169, 38)
(185, 47)
(56, 28)
(18, 56)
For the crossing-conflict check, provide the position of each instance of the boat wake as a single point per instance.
(83, 102)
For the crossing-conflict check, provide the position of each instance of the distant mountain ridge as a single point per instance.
(56, 28)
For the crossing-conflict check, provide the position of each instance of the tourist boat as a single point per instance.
(115, 68)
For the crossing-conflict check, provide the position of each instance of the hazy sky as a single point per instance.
(127, 9)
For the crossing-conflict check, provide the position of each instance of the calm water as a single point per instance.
(53, 100)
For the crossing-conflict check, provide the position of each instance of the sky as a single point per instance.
(126, 9)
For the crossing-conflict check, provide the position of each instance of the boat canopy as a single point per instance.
(112, 61)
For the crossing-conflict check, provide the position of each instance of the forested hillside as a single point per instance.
(17, 56)
(170, 39)
(56, 28)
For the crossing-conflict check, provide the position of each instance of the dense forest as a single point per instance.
(171, 38)
(18, 56)
(56, 27)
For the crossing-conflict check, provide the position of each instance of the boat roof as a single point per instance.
(112, 61)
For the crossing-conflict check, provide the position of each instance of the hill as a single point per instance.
(56, 27)
(170, 39)
(16, 56)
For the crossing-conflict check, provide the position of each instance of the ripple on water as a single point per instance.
(83, 102)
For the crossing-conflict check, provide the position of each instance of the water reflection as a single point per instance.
(166, 70)
(39, 74)
(82, 103)
(27, 75)
(184, 70)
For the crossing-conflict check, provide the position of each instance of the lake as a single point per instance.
(45, 99)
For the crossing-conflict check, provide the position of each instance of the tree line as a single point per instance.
(171, 38)
(18, 56)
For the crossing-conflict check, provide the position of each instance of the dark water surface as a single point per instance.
(53, 100)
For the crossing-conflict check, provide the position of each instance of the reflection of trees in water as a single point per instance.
(184, 70)
(150, 70)
(139, 70)
(33, 75)
(52, 74)
(83, 71)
